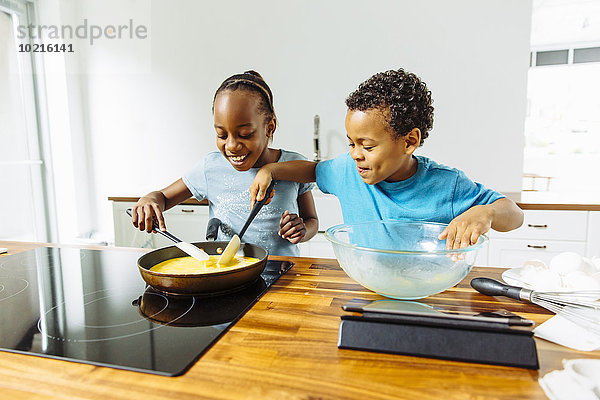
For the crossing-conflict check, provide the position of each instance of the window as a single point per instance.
(24, 211)
(562, 127)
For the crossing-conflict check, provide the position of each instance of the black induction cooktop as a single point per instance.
(92, 306)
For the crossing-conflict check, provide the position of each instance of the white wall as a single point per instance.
(146, 104)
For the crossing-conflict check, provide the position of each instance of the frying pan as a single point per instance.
(205, 284)
(210, 283)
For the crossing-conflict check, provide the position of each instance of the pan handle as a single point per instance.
(212, 229)
(157, 229)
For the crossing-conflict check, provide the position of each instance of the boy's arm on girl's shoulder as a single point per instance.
(301, 171)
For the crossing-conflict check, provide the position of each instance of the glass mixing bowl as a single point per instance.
(401, 259)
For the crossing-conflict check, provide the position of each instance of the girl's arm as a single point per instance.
(297, 171)
(308, 212)
(302, 227)
(151, 206)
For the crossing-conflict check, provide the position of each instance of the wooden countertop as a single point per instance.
(582, 201)
(191, 200)
(286, 347)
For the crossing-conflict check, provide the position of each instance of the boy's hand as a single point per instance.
(464, 230)
(259, 186)
(291, 227)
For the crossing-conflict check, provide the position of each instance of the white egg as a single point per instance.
(566, 262)
(579, 280)
(546, 280)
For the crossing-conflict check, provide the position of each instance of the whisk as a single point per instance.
(580, 307)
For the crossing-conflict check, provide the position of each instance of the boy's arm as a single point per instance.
(297, 171)
(502, 215)
(507, 215)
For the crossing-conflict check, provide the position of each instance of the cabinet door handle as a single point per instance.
(532, 246)
(186, 211)
(537, 226)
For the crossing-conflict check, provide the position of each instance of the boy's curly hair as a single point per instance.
(404, 94)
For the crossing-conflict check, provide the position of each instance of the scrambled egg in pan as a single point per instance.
(189, 265)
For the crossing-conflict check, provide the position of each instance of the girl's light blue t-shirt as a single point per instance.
(228, 195)
(436, 193)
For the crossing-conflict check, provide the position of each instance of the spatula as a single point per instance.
(186, 247)
(234, 244)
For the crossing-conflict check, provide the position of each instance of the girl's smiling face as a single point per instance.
(242, 132)
(379, 155)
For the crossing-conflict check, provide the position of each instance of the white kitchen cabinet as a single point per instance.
(187, 222)
(544, 234)
(549, 225)
(330, 214)
(329, 210)
(593, 242)
(512, 253)
(318, 246)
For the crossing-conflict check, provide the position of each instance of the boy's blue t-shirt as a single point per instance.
(226, 189)
(435, 193)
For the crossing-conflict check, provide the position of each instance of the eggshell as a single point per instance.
(535, 263)
(530, 269)
(566, 262)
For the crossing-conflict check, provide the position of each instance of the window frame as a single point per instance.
(22, 12)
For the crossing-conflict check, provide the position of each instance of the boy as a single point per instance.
(389, 116)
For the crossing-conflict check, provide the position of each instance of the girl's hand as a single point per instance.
(291, 227)
(464, 230)
(259, 186)
(144, 212)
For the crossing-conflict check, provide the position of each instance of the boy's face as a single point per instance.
(378, 156)
(242, 135)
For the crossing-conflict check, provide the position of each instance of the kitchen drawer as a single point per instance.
(185, 210)
(512, 253)
(187, 222)
(549, 225)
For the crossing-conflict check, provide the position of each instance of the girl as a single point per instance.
(244, 120)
